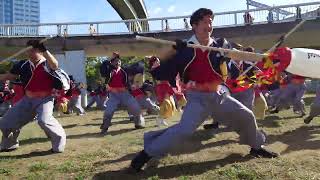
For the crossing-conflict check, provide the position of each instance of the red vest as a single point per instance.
(75, 92)
(18, 93)
(162, 90)
(296, 79)
(40, 81)
(200, 69)
(92, 94)
(137, 93)
(117, 79)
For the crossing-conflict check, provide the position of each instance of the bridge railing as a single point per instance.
(164, 24)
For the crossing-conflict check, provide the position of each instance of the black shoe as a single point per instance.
(139, 127)
(8, 150)
(308, 119)
(139, 161)
(302, 114)
(54, 152)
(211, 126)
(274, 111)
(263, 153)
(104, 132)
(11, 148)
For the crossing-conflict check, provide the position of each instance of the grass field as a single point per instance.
(206, 155)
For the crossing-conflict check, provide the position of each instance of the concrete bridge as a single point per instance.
(261, 33)
(131, 9)
(76, 41)
(260, 36)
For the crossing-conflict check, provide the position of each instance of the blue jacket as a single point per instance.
(24, 70)
(169, 69)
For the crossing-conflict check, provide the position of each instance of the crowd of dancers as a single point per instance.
(199, 83)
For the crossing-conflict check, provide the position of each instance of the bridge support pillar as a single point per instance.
(73, 62)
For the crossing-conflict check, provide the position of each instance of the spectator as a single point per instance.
(167, 26)
(270, 17)
(186, 24)
(298, 13)
(65, 32)
(248, 19)
(92, 30)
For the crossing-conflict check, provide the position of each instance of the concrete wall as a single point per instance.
(73, 62)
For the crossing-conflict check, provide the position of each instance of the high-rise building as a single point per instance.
(20, 12)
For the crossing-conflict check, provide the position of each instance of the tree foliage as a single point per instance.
(5, 66)
(92, 70)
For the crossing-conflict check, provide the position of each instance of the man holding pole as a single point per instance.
(38, 82)
(204, 71)
(118, 85)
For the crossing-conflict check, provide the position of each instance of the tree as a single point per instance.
(5, 66)
(92, 71)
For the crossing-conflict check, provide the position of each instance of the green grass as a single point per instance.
(68, 167)
(5, 171)
(154, 178)
(239, 172)
(203, 156)
(39, 167)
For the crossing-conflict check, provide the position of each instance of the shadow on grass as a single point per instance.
(97, 134)
(271, 118)
(189, 146)
(96, 119)
(270, 121)
(174, 171)
(69, 126)
(301, 138)
(275, 121)
(112, 123)
(77, 136)
(123, 158)
(292, 117)
(29, 155)
(92, 109)
(33, 140)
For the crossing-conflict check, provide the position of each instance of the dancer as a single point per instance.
(201, 68)
(38, 81)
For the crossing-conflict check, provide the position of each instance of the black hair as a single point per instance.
(249, 49)
(199, 14)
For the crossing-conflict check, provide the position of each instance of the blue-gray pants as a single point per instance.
(245, 97)
(100, 101)
(93, 99)
(24, 112)
(284, 99)
(293, 94)
(315, 106)
(199, 106)
(146, 103)
(4, 107)
(299, 90)
(123, 99)
(75, 103)
(274, 98)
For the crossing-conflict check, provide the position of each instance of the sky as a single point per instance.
(100, 10)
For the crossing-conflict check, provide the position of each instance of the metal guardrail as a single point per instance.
(164, 24)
